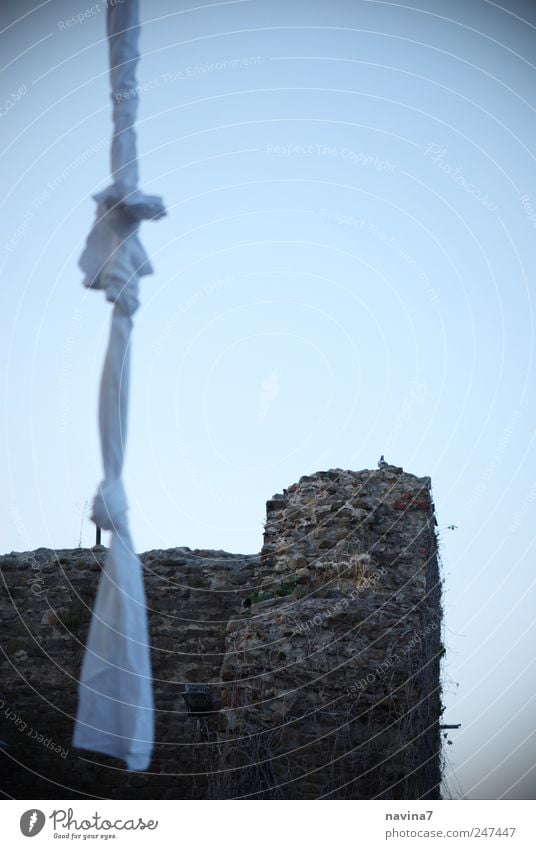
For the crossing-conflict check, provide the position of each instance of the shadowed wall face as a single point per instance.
(334, 678)
(321, 655)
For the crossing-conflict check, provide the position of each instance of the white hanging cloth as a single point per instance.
(115, 697)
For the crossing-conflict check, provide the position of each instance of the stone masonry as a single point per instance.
(321, 655)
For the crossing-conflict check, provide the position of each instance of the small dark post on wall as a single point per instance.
(97, 541)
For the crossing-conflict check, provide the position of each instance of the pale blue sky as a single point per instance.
(346, 269)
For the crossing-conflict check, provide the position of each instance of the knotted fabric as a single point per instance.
(115, 699)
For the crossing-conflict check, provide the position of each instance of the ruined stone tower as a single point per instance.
(321, 655)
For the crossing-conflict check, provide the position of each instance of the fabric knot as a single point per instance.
(110, 506)
(114, 258)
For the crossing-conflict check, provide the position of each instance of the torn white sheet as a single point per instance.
(115, 700)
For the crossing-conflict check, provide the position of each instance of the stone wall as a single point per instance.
(321, 654)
